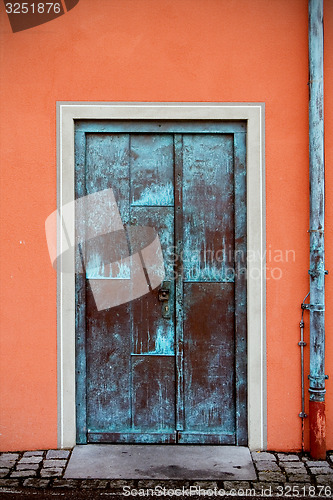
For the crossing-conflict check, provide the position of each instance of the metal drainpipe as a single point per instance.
(317, 390)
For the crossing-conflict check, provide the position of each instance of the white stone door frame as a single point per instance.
(253, 113)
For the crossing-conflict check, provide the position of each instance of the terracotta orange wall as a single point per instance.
(153, 50)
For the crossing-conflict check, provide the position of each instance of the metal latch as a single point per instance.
(163, 296)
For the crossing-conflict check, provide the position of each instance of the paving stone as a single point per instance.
(11, 483)
(237, 485)
(152, 483)
(51, 472)
(263, 465)
(57, 454)
(297, 475)
(9, 456)
(36, 483)
(7, 464)
(23, 473)
(120, 483)
(293, 466)
(205, 485)
(27, 466)
(318, 463)
(302, 478)
(266, 489)
(272, 477)
(324, 480)
(321, 470)
(38, 453)
(300, 484)
(4, 472)
(295, 472)
(262, 455)
(30, 460)
(94, 484)
(176, 484)
(288, 458)
(54, 463)
(66, 483)
(143, 483)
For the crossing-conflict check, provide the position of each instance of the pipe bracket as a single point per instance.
(315, 273)
(317, 383)
(314, 307)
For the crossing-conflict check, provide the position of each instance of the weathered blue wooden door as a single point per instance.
(169, 371)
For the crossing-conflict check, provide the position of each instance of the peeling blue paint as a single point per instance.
(149, 379)
(155, 195)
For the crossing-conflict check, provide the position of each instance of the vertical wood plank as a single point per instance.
(152, 198)
(108, 340)
(240, 287)
(178, 175)
(80, 291)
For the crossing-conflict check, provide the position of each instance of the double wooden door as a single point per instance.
(169, 366)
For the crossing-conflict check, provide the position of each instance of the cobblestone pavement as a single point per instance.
(278, 474)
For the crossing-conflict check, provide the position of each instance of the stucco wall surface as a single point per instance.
(155, 50)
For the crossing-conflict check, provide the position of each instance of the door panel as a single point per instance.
(151, 332)
(209, 362)
(154, 393)
(107, 165)
(108, 360)
(144, 375)
(208, 206)
(151, 170)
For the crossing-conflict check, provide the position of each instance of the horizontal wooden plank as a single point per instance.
(204, 438)
(132, 437)
(161, 126)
